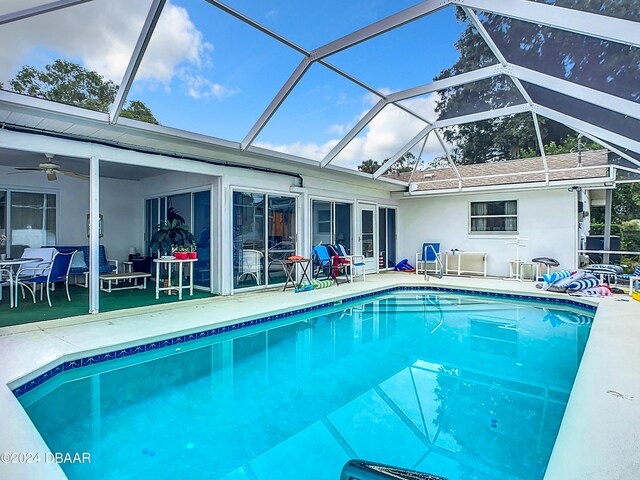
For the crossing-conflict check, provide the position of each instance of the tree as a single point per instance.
(72, 84)
(493, 139)
(404, 164)
(369, 166)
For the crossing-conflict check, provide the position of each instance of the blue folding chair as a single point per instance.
(58, 273)
(321, 261)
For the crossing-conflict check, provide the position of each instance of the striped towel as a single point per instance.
(550, 278)
(562, 284)
(601, 291)
(588, 282)
(321, 283)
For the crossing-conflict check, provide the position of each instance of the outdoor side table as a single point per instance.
(168, 262)
(290, 267)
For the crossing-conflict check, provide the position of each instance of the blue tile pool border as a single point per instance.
(146, 347)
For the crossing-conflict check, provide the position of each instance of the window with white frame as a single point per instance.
(497, 216)
(27, 219)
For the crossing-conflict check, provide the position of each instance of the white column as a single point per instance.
(607, 223)
(94, 235)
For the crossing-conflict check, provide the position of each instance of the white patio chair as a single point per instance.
(251, 265)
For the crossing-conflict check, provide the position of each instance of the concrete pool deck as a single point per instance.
(599, 433)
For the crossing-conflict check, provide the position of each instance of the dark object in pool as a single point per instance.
(370, 470)
(145, 451)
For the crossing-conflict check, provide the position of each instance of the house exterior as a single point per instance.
(241, 202)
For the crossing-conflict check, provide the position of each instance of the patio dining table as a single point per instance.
(7, 265)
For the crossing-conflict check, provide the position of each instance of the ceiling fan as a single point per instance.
(50, 169)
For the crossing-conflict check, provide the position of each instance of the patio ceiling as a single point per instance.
(606, 111)
(19, 158)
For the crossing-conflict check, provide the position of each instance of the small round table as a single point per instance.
(7, 265)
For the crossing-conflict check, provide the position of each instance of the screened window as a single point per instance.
(499, 216)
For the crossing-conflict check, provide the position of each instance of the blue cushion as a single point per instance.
(104, 267)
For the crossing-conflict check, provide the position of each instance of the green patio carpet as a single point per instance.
(28, 312)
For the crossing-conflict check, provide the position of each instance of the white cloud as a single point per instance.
(175, 41)
(305, 150)
(199, 87)
(337, 128)
(101, 36)
(385, 135)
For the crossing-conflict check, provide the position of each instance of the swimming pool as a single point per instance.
(457, 385)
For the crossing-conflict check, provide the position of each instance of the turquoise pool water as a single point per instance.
(460, 386)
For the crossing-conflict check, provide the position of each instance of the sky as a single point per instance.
(207, 72)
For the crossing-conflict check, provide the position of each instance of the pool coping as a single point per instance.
(25, 384)
(575, 439)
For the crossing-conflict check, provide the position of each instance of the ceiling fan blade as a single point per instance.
(51, 176)
(74, 175)
(27, 169)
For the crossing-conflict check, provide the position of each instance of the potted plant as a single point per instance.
(170, 235)
(181, 253)
(192, 253)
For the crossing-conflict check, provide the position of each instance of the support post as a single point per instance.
(607, 224)
(94, 235)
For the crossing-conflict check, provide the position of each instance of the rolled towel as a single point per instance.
(587, 282)
(599, 291)
(550, 278)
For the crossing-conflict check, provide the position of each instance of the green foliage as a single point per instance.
(72, 84)
(514, 136)
(369, 166)
(169, 235)
(137, 110)
(569, 145)
(404, 164)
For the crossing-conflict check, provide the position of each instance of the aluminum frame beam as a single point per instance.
(454, 81)
(499, 112)
(357, 128)
(448, 154)
(536, 125)
(582, 126)
(280, 97)
(571, 89)
(155, 10)
(576, 21)
(475, 21)
(39, 10)
(408, 146)
(378, 28)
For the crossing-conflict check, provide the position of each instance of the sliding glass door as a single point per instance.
(331, 223)
(261, 238)
(201, 229)
(248, 239)
(194, 210)
(387, 237)
(281, 235)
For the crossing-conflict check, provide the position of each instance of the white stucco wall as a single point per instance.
(548, 218)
